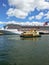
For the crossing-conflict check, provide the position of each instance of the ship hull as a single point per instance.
(8, 32)
(30, 36)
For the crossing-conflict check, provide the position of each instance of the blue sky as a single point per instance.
(23, 11)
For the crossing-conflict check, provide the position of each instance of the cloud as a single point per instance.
(16, 12)
(42, 5)
(1, 22)
(39, 16)
(47, 15)
(9, 22)
(23, 7)
(32, 17)
(4, 5)
(24, 23)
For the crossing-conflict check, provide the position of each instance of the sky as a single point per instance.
(24, 12)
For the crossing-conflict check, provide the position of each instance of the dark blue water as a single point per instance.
(19, 51)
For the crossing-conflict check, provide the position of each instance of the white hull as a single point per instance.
(11, 31)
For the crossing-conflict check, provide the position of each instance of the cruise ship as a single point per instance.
(12, 29)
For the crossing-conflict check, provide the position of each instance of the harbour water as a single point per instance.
(19, 51)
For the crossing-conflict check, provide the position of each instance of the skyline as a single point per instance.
(23, 11)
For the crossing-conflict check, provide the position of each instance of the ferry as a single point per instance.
(30, 34)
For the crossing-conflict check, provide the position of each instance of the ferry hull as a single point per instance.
(30, 36)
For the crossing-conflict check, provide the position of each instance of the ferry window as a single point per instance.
(24, 32)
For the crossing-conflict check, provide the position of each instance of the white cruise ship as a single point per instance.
(12, 29)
